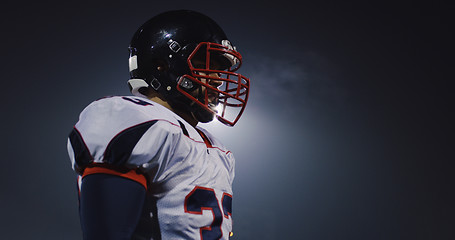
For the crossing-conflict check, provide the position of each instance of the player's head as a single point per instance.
(187, 58)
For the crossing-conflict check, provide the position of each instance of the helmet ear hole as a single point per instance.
(160, 65)
(145, 91)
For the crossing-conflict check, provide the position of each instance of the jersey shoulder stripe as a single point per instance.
(102, 169)
(119, 149)
(110, 128)
(79, 149)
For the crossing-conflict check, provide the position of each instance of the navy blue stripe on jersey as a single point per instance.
(183, 129)
(121, 146)
(82, 155)
(137, 101)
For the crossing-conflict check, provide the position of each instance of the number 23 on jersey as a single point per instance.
(202, 198)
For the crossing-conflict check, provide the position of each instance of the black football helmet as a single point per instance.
(179, 52)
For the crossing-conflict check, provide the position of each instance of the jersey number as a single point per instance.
(205, 199)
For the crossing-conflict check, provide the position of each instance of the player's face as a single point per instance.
(212, 96)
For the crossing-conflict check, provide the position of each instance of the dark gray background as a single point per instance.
(348, 133)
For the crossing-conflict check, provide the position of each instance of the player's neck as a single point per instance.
(161, 102)
(186, 116)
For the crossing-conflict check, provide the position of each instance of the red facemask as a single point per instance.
(213, 68)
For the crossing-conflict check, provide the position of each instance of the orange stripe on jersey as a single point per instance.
(206, 139)
(132, 174)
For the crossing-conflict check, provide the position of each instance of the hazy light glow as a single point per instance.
(219, 109)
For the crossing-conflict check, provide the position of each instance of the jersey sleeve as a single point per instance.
(122, 133)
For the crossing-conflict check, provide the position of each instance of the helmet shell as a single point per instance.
(179, 52)
(166, 41)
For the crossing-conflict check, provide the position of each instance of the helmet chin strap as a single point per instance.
(201, 114)
(194, 109)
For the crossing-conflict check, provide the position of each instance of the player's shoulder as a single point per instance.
(126, 107)
(121, 112)
(116, 104)
(111, 128)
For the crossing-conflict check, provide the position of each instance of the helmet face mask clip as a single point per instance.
(155, 84)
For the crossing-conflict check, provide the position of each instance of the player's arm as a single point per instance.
(110, 203)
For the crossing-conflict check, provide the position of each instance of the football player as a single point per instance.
(145, 169)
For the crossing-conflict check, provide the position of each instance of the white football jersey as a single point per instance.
(189, 193)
